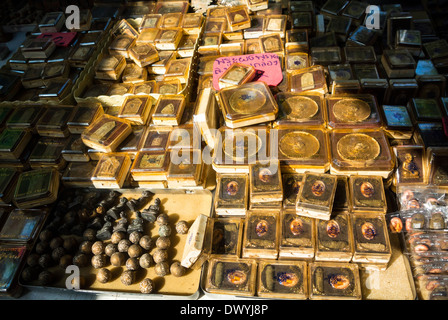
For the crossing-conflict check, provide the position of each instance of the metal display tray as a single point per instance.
(179, 205)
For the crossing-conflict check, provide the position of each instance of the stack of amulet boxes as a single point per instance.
(346, 99)
(36, 108)
(39, 116)
(143, 80)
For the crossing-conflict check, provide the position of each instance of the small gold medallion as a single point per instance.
(299, 145)
(109, 167)
(307, 81)
(132, 106)
(108, 63)
(237, 145)
(274, 24)
(168, 109)
(103, 131)
(247, 101)
(351, 110)
(358, 147)
(300, 108)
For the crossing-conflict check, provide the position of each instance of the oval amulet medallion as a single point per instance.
(339, 281)
(237, 277)
(265, 175)
(367, 189)
(232, 188)
(296, 226)
(333, 229)
(318, 188)
(287, 279)
(261, 229)
(368, 231)
(396, 225)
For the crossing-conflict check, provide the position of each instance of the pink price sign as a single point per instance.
(268, 67)
(61, 39)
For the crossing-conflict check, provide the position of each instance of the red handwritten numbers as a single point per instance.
(267, 65)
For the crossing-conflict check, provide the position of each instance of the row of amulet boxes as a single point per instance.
(126, 41)
(63, 126)
(351, 70)
(53, 59)
(52, 136)
(368, 111)
(111, 163)
(421, 224)
(313, 261)
(48, 65)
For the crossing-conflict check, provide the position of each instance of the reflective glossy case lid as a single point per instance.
(169, 106)
(250, 103)
(275, 24)
(231, 276)
(232, 191)
(305, 109)
(239, 147)
(426, 109)
(36, 187)
(238, 17)
(361, 151)
(225, 236)
(411, 164)
(308, 79)
(55, 118)
(111, 167)
(150, 21)
(265, 181)
(84, 114)
(334, 239)
(291, 186)
(156, 139)
(316, 194)
(334, 281)
(236, 74)
(22, 226)
(367, 194)
(25, 116)
(371, 235)
(302, 149)
(136, 108)
(297, 235)
(261, 234)
(271, 43)
(353, 111)
(106, 133)
(282, 279)
(397, 118)
(148, 163)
